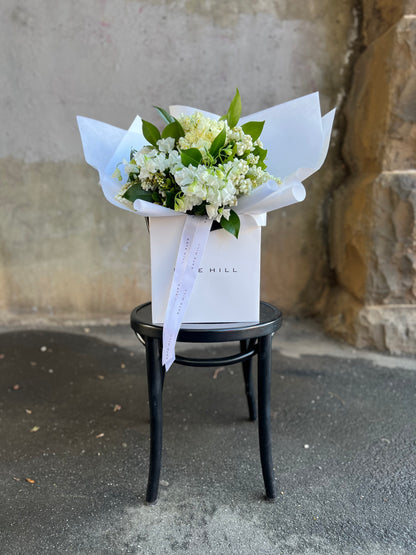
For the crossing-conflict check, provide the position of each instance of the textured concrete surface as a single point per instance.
(109, 61)
(74, 420)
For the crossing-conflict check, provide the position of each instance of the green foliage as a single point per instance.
(191, 156)
(136, 192)
(234, 111)
(170, 198)
(261, 153)
(151, 132)
(167, 118)
(199, 210)
(232, 225)
(253, 128)
(156, 198)
(173, 129)
(218, 143)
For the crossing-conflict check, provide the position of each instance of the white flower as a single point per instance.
(146, 184)
(117, 174)
(200, 131)
(185, 175)
(179, 204)
(226, 213)
(197, 188)
(130, 168)
(150, 161)
(252, 160)
(174, 160)
(166, 145)
(212, 211)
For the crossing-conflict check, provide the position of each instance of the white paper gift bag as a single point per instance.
(227, 287)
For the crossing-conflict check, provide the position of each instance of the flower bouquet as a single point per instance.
(197, 165)
(204, 184)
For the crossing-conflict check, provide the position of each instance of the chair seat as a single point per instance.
(270, 321)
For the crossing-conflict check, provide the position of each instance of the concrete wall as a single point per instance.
(65, 252)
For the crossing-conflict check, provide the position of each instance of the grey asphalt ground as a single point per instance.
(74, 421)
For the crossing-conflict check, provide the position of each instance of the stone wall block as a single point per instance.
(373, 220)
(380, 15)
(387, 328)
(392, 265)
(350, 228)
(381, 108)
(382, 327)
(373, 249)
(373, 238)
(341, 315)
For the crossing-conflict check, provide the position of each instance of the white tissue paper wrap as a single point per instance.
(296, 137)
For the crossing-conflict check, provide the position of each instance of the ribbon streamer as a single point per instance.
(191, 249)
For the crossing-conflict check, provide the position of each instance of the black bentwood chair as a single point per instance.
(255, 339)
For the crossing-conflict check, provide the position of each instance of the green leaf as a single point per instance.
(151, 132)
(167, 118)
(253, 128)
(170, 199)
(234, 111)
(136, 192)
(232, 225)
(233, 153)
(218, 143)
(191, 156)
(156, 197)
(173, 129)
(223, 118)
(261, 153)
(199, 210)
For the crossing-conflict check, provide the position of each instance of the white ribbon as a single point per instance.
(191, 249)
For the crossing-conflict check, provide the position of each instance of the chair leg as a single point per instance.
(245, 345)
(155, 378)
(264, 383)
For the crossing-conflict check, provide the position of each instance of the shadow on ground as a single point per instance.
(74, 420)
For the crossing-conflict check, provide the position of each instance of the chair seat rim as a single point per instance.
(270, 321)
